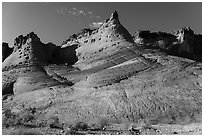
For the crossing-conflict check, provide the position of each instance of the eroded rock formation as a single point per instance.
(183, 43)
(102, 73)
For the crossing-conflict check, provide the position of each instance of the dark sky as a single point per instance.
(54, 22)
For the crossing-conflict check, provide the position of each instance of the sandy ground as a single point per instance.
(117, 129)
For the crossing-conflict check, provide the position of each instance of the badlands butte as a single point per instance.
(104, 81)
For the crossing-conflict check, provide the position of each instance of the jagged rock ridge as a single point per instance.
(183, 42)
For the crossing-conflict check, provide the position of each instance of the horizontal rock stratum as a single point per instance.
(105, 73)
(183, 42)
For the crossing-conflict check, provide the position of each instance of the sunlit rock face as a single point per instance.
(96, 45)
(105, 73)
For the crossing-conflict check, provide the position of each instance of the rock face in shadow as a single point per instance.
(64, 55)
(183, 43)
(103, 74)
(6, 51)
(29, 50)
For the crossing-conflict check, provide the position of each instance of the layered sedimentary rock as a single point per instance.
(23, 69)
(103, 73)
(183, 42)
(29, 50)
(96, 45)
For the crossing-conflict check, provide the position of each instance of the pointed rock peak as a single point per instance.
(113, 25)
(183, 31)
(187, 30)
(112, 21)
(183, 34)
(114, 15)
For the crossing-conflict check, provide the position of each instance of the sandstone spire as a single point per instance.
(114, 15)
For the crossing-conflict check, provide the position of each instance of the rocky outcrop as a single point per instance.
(188, 42)
(29, 50)
(183, 43)
(114, 24)
(24, 66)
(105, 41)
(6, 50)
(103, 74)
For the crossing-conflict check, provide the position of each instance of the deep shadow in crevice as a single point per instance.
(6, 51)
(8, 89)
(64, 55)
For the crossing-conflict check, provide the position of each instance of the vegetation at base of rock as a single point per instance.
(11, 119)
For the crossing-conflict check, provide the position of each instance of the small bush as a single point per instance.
(80, 126)
(70, 131)
(103, 123)
(27, 117)
(54, 122)
(11, 119)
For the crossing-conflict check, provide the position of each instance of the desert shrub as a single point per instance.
(71, 131)
(80, 126)
(54, 122)
(11, 119)
(103, 123)
(27, 117)
(99, 124)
